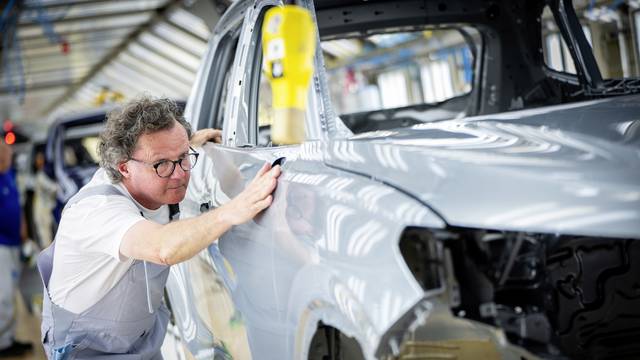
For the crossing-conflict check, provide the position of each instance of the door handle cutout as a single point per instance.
(279, 161)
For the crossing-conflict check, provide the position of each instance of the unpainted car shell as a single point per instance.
(578, 164)
(69, 180)
(312, 255)
(327, 249)
(334, 258)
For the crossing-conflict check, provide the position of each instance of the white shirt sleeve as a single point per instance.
(97, 224)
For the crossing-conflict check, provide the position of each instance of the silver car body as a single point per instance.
(327, 250)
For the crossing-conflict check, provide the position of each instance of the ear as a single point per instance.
(123, 168)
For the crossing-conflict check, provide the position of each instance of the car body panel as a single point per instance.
(326, 253)
(472, 171)
(354, 247)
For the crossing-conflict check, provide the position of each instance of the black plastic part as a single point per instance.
(279, 161)
(595, 298)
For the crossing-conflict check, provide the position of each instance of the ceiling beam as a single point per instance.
(53, 51)
(38, 62)
(140, 66)
(99, 23)
(179, 37)
(88, 18)
(84, 37)
(182, 68)
(80, 10)
(81, 68)
(169, 49)
(48, 4)
(137, 83)
(40, 86)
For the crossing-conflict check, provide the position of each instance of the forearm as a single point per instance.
(183, 239)
(176, 241)
(180, 240)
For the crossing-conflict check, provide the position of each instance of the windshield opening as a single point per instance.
(386, 71)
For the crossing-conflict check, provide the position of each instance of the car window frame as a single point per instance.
(214, 90)
(241, 99)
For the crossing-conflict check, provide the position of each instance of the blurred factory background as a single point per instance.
(64, 57)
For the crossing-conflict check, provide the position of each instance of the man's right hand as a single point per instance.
(256, 197)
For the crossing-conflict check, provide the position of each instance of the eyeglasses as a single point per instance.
(165, 168)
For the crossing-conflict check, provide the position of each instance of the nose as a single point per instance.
(179, 173)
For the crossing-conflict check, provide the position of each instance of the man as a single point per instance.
(10, 239)
(107, 268)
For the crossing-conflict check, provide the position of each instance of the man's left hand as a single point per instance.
(201, 136)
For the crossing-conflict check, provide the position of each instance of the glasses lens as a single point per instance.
(164, 168)
(189, 162)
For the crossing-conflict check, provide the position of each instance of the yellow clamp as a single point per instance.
(288, 48)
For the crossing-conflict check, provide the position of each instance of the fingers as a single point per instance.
(263, 204)
(217, 137)
(201, 136)
(263, 184)
(266, 187)
(266, 167)
(214, 135)
(263, 170)
(269, 179)
(276, 171)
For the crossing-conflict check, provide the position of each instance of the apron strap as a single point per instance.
(174, 212)
(105, 189)
(146, 283)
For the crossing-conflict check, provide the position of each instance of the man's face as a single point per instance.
(142, 180)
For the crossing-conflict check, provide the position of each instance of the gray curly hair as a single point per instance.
(125, 125)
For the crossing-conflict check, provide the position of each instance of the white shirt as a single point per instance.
(87, 261)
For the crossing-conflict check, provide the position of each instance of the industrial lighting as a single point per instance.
(10, 138)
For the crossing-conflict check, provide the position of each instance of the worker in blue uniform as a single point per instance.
(10, 241)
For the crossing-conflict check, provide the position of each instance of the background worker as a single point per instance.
(105, 273)
(11, 235)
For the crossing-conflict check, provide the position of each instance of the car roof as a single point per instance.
(85, 117)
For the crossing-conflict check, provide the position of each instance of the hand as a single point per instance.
(201, 136)
(256, 197)
(29, 252)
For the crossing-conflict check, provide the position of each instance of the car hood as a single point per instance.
(571, 169)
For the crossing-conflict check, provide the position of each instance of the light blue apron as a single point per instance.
(129, 322)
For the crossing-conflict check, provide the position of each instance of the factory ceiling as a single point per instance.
(61, 56)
